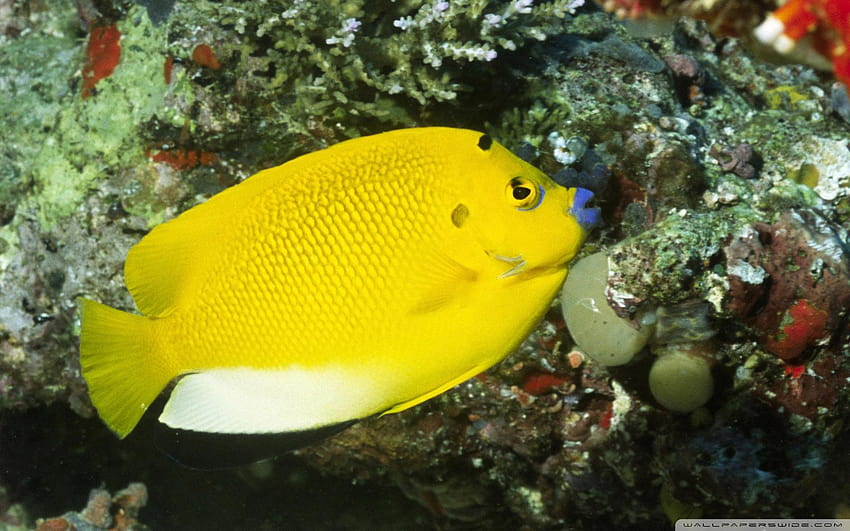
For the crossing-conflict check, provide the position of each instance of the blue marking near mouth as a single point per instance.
(588, 218)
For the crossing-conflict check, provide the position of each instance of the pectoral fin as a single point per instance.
(444, 280)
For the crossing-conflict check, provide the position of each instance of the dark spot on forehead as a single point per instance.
(485, 142)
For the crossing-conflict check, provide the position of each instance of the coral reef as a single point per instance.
(724, 184)
(104, 511)
(117, 512)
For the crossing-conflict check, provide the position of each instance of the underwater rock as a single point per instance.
(821, 164)
(37, 306)
(664, 168)
(12, 516)
(475, 453)
(680, 378)
(689, 77)
(670, 263)
(739, 160)
(747, 461)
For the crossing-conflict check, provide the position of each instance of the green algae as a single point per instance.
(64, 144)
(662, 264)
(295, 77)
(34, 72)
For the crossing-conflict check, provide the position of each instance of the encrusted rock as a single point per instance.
(790, 281)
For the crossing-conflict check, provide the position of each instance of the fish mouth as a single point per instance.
(588, 218)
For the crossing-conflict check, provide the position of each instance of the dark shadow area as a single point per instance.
(50, 458)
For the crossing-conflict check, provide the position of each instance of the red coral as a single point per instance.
(807, 325)
(102, 56)
(790, 281)
(607, 417)
(810, 394)
(542, 382)
(794, 371)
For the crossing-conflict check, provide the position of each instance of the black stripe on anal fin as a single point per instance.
(212, 451)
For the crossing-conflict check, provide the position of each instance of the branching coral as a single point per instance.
(344, 58)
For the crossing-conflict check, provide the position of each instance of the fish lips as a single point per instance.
(588, 218)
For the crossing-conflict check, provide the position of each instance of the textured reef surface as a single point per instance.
(724, 182)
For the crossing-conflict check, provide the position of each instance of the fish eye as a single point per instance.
(524, 194)
(521, 192)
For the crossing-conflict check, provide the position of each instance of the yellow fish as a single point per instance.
(358, 280)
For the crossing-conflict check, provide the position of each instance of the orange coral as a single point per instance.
(167, 68)
(183, 159)
(204, 56)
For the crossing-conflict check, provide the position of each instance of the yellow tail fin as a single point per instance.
(119, 364)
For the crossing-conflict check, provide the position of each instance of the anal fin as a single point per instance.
(212, 451)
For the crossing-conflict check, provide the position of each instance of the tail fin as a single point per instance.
(119, 364)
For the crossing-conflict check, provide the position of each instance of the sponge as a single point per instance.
(680, 380)
(599, 332)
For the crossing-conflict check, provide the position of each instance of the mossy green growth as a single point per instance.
(62, 144)
(33, 74)
(807, 174)
(532, 124)
(662, 265)
(807, 151)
